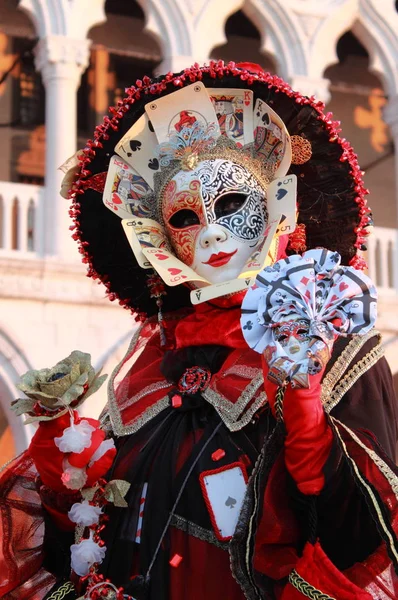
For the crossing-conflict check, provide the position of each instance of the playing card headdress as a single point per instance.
(313, 292)
(136, 152)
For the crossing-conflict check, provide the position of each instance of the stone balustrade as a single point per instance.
(21, 219)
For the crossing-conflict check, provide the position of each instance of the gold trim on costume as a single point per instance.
(334, 385)
(306, 588)
(364, 484)
(61, 592)
(383, 467)
(231, 414)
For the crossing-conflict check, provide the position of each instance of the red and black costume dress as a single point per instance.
(339, 544)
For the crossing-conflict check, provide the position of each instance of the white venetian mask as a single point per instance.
(215, 217)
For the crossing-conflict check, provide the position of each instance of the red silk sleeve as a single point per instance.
(309, 438)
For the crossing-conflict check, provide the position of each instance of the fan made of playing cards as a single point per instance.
(175, 146)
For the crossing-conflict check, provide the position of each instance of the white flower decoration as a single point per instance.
(85, 554)
(75, 438)
(73, 478)
(84, 513)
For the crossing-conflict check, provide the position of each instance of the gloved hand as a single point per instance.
(66, 472)
(308, 436)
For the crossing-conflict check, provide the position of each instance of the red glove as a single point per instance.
(308, 436)
(50, 462)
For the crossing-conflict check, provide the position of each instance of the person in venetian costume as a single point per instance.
(254, 442)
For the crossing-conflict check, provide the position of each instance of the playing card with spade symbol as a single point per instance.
(271, 138)
(281, 200)
(126, 193)
(224, 490)
(138, 148)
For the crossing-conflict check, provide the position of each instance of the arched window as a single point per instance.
(121, 53)
(243, 43)
(358, 100)
(31, 227)
(14, 224)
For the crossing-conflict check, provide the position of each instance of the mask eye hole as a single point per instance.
(184, 218)
(229, 204)
(302, 332)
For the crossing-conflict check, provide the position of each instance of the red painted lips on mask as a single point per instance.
(220, 259)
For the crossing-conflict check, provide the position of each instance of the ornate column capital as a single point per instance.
(59, 56)
(311, 86)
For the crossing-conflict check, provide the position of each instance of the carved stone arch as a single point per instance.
(47, 15)
(209, 25)
(376, 29)
(371, 28)
(281, 37)
(170, 25)
(64, 17)
(13, 364)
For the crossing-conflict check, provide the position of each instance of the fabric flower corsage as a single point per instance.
(297, 308)
(51, 392)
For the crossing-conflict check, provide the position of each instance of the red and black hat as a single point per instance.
(331, 202)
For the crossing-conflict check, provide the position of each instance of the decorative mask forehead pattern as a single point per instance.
(218, 179)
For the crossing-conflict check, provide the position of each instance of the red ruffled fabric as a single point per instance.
(316, 571)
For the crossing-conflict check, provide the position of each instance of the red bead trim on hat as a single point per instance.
(216, 69)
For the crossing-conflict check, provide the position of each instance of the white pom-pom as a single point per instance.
(84, 513)
(84, 555)
(101, 450)
(73, 478)
(75, 438)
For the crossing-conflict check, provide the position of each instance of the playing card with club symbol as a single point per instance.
(138, 147)
(144, 233)
(224, 490)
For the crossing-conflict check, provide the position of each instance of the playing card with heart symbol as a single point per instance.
(138, 148)
(234, 110)
(125, 191)
(172, 270)
(224, 490)
(194, 105)
(271, 138)
(144, 233)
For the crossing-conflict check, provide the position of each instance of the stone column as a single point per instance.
(311, 86)
(61, 61)
(391, 118)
